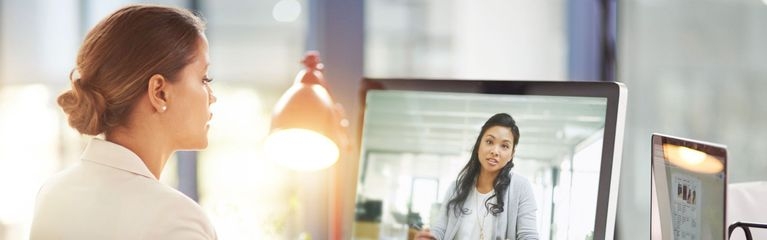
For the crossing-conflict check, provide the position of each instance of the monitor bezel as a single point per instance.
(614, 92)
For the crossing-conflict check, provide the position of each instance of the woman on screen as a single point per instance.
(140, 80)
(488, 201)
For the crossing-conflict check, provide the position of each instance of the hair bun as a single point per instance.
(84, 107)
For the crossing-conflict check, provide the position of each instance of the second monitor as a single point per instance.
(418, 134)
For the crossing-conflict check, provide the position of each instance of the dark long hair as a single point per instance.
(468, 175)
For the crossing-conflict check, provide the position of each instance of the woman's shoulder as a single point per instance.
(173, 197)
(178, 215)
(519, 181)
(517, 178)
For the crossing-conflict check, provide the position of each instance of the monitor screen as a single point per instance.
(689, 188)
(418, 134)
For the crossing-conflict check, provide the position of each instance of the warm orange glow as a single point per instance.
(301, 149)
(691, 156)
(692, 159)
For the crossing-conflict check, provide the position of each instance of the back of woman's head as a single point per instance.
(117, 58)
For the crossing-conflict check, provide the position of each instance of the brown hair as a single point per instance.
(117, 58)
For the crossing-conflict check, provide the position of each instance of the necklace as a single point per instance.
(481, 222)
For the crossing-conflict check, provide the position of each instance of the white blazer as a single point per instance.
(111, 194)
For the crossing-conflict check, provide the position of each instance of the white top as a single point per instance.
(478, 215)
(111, 194)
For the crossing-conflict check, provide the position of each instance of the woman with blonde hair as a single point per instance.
(141, 81)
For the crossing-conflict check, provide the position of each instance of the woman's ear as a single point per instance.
(156, 91)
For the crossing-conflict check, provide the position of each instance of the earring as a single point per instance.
(163, 108)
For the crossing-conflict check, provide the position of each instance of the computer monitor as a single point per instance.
(418, 133)
(689, 196)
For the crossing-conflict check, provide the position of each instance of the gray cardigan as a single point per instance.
(517, 221)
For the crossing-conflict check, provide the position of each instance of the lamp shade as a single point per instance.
(307, 130)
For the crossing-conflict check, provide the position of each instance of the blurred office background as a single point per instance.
(695, 69)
